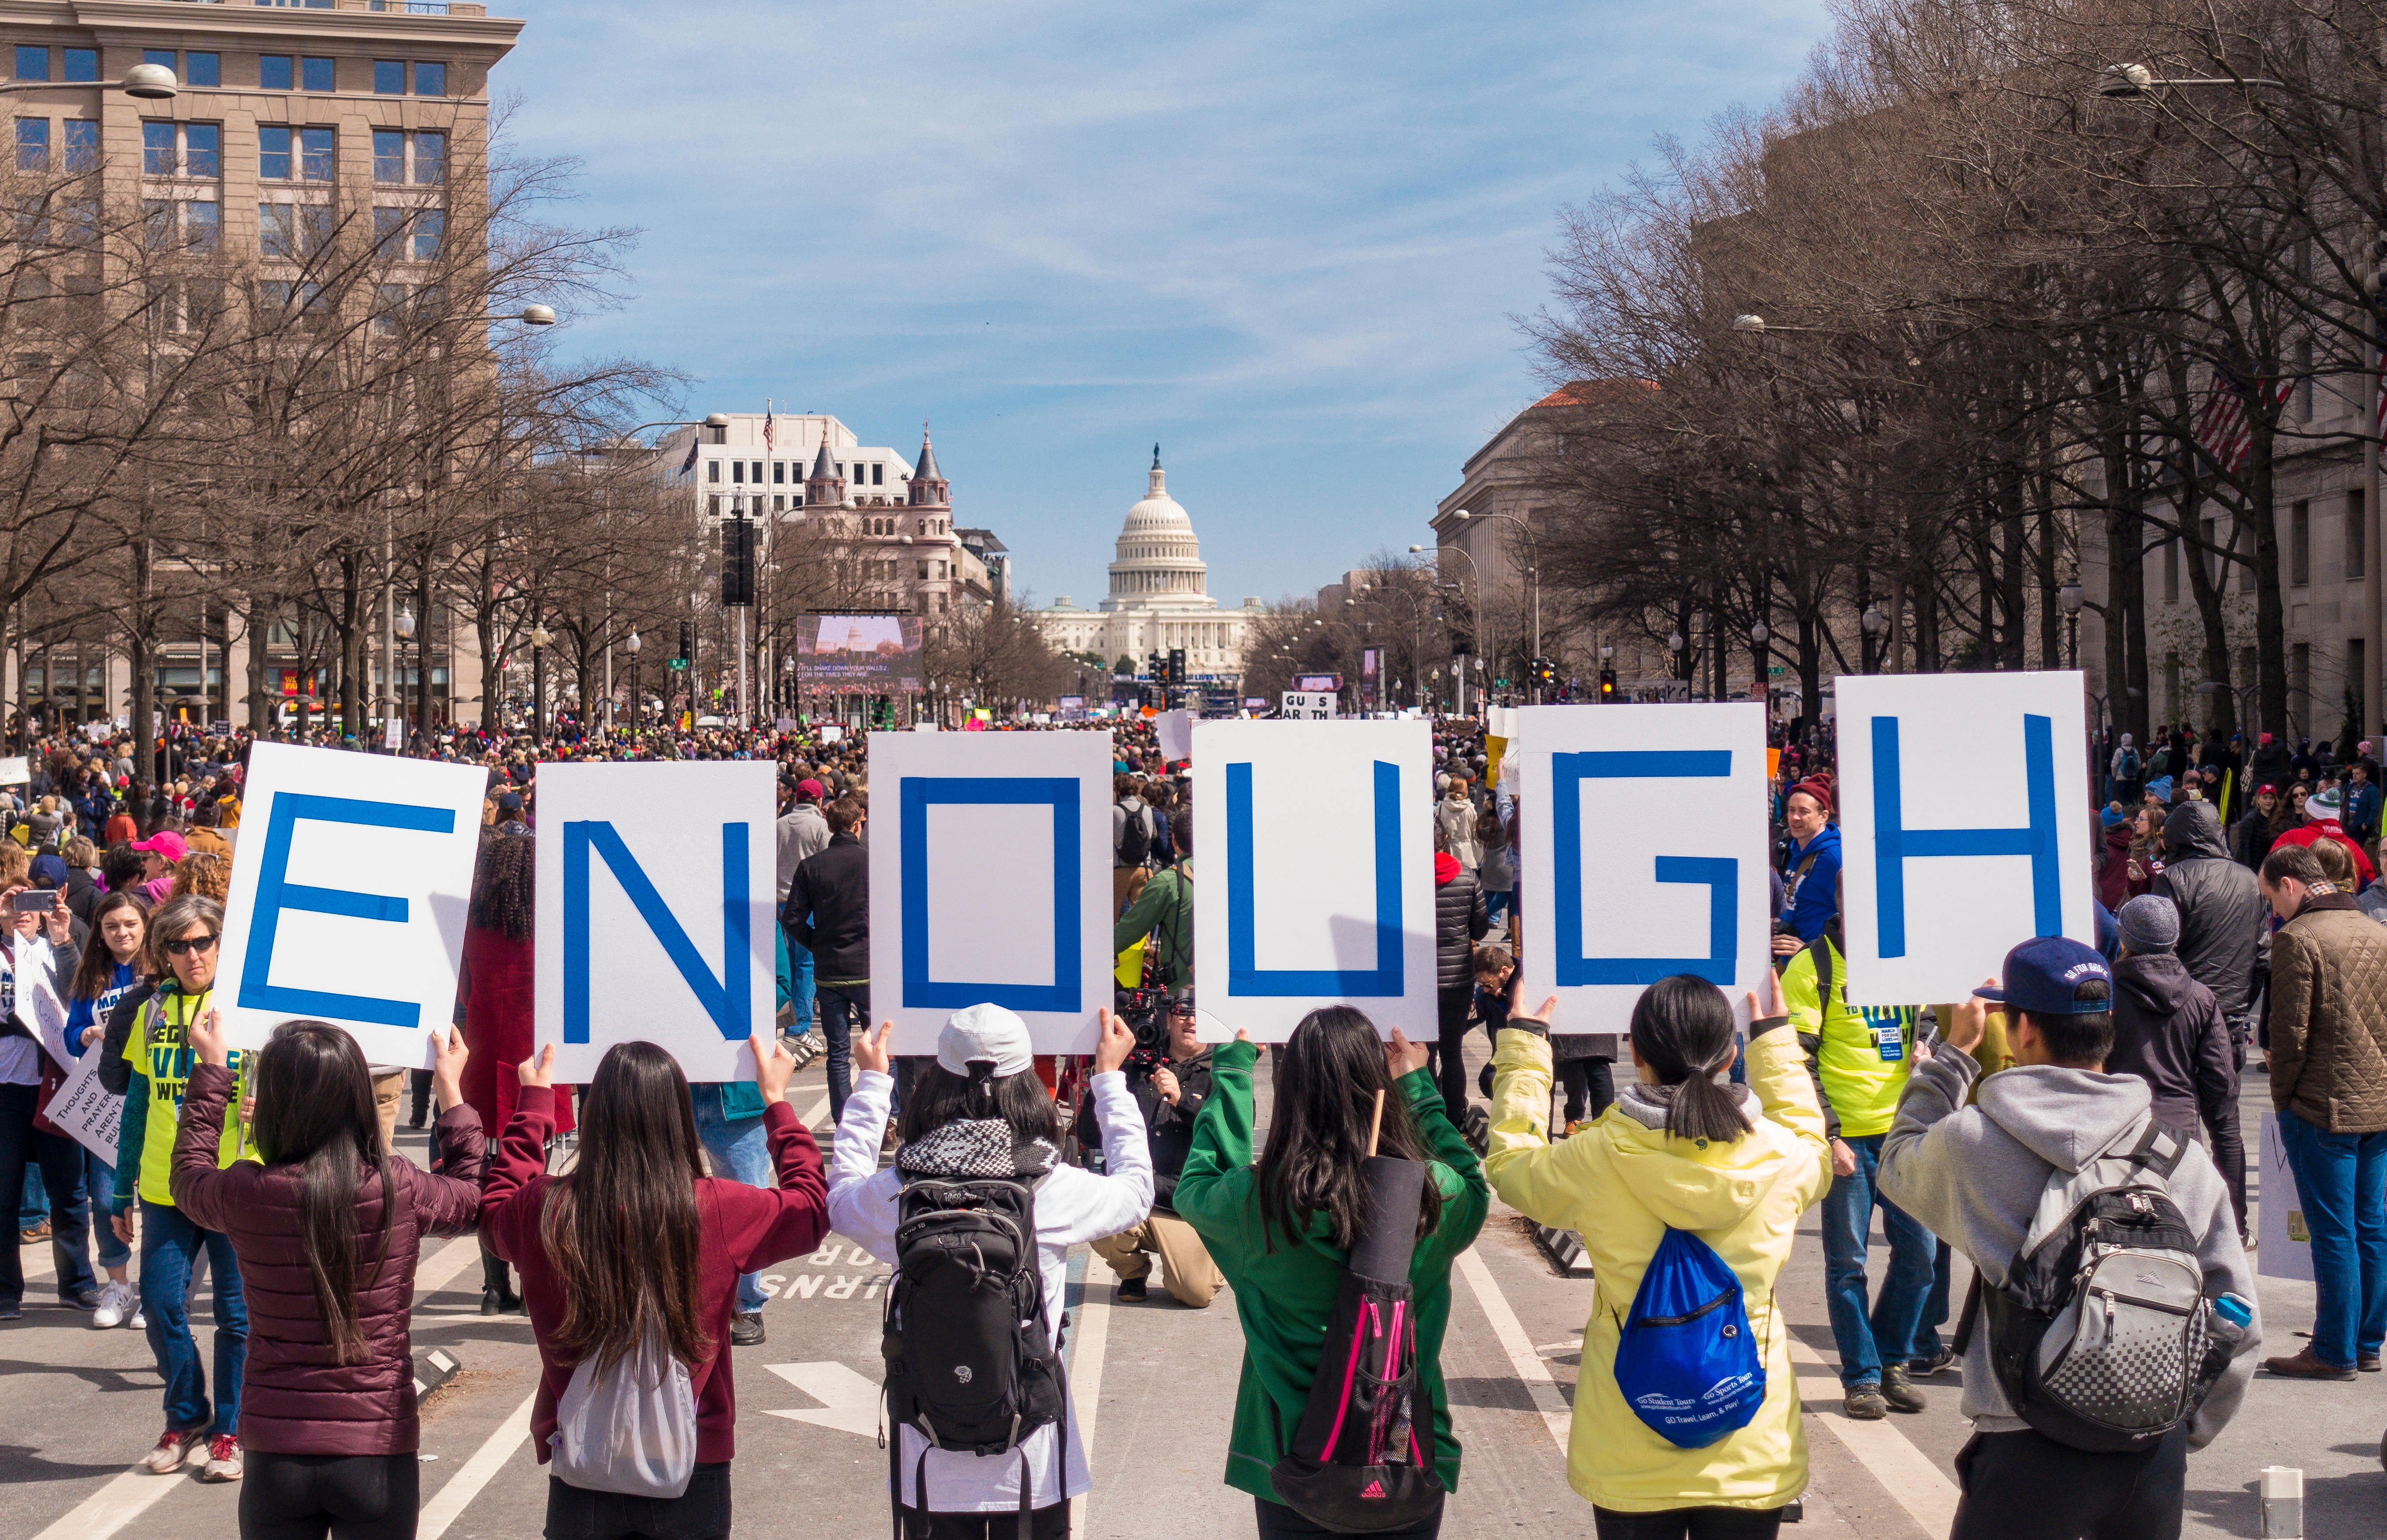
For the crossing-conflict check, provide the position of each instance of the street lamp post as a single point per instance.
(637, 696)
(1674, 645)
(1532, 576)
(406, 625)
(1874, 624)
(538, 640)
(2070, 598)
(1762, 656)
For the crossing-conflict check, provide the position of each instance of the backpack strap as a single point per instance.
(1821, 950)
(2159, 1149)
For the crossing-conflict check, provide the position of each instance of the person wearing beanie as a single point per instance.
(2169, 1031)
(1810, 872)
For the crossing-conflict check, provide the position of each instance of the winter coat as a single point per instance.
(2114, 877)
(2270, 767)
(2308, 833)
(828, 909)
(1622, 1184)
(802, 833)
(295, 1397)
(1453, 830)
(2168, 1030)
(2329, 1018)
(1459, 922)
(1974, 1175)
(2222, 916)
(2251, 837)
(1817, 898)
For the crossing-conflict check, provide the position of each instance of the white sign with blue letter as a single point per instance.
(655, 913)
(1963, 826)
(1643, 854)
(1314, 886)
(348, 898)
(989, 882)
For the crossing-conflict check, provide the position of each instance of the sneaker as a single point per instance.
(11, 1310)
(2304, 1366)
(1940, 1362)
(1133, 1290)
(37, 1233)
(140, 1321)
(2366, 1362)
(173, 1446)
(118, 1303)
(1899, 1391)
(1865, 1404)
(223, 1459)
(746, 1329)
(81, 1299)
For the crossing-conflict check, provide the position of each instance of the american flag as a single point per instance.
(695, 439)
(768, 427)
(2225, 429)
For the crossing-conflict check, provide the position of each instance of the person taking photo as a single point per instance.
(1169, 1095)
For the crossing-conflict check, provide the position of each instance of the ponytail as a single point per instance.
(1683, 1031)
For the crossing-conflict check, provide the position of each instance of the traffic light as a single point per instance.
(1176, 665)
(1606, 684)
(737, 565)
(687, 642)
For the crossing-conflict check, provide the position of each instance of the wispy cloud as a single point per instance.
(1282, 239)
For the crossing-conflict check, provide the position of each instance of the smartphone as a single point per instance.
(37, 901)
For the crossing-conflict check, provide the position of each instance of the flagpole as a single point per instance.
(2374, 592)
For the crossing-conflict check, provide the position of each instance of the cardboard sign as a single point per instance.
(655, 918)
(16, 770)
(1173, 732)
(348, 899)
(1643, 854)
(990, 881)
(1308, 705)
(82, 1107)
(2285, 1248)
(1316, 886)
(1963, 826)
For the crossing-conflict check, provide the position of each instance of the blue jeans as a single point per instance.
(98, 1180)
(741, 1152)
(844, 1009)
(169, 1246)
(800, 965)
(2342, 1180)
(1886, 1335)
(1496, 903)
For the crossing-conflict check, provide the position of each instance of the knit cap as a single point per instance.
(2150, 925)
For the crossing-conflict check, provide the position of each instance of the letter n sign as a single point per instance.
(1720, 875)
(727, 999)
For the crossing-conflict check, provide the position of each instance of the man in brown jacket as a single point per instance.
(2329, 1084)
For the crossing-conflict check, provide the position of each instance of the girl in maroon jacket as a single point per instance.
(638, 1239)
(327, 1230)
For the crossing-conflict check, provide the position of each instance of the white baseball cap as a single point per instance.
(985, 1031)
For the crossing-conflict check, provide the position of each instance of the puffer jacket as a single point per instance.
(1459, 921)
(2222, 916)
(2168, 1031)
(2329, 1018)
(296, 1399)
(1622, 1185)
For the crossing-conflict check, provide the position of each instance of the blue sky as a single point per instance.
(1285, 241)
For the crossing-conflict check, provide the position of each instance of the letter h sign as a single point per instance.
(1895, 844)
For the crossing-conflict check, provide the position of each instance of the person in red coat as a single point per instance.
(495, 995)
(638, 1240)
(327, 1231)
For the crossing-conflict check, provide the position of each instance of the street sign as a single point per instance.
(677, 662)
(1309, 706)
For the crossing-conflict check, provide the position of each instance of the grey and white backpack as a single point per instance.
(628, 1426)
(2100, 1334)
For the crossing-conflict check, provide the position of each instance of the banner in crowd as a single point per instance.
(656, 918)
(82, 1106)
(990, 880)
(1644, 834)
(1963, 802)
(1317, 875)
(348, 899)
(864, 654)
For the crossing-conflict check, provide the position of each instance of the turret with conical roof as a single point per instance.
(929, 488)
(824, 488)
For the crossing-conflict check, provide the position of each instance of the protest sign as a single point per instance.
(1172, 732)
(347, 904)
(1306, 706)
(1648, 861)
(1317, 862)
(655, 912)
(16, 770)
(2284, 1249)
(82, 1108)
(1940, 885)
(990, 881)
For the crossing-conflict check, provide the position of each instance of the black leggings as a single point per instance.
(345, 1497)
(1050, 1522)
(1689, 1523)
(1277, 1522)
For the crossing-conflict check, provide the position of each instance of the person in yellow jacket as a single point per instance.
(1624, 1182)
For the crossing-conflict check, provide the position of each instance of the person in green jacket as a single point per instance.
(1281, 1230)
(1165, 905)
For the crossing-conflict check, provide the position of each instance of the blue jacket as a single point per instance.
(1818, 897)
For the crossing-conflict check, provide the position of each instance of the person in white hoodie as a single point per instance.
(1975, 1175)
(972, 1498)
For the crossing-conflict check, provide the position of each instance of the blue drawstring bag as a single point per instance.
(1686, 1361)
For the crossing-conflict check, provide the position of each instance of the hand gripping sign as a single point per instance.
(990, 881)
(1314, 886)
(656, 913)
(1963, 826)
(1643, 854)
(348, 898)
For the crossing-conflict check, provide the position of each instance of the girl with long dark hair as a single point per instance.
(1282, 1230)
(327, 1230)
(637, 1246)
(1684, 1149)
(115, 963)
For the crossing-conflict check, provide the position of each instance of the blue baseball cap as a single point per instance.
(2041, 973)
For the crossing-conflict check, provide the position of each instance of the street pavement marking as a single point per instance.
(1518, 1348)
(1912, 1479)
(432, 1273)
(113, 1505)
(814, 1114)
(37, 1261)
(1086, 1367)
(449, 1503)
(849, 1400)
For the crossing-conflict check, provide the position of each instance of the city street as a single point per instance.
(1156, 1384)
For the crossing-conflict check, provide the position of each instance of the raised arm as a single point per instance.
(509, 1203)
(448, 1201)
(1222, 1141)
(204, 1195)
(861, 1196)
(1466, 1196)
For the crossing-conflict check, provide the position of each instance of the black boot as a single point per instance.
(497, 1295)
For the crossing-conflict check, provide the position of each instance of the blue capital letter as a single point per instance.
(276, 892)
(726, 1000)
(1244, 975)
(1894, 844)
(1721, 873)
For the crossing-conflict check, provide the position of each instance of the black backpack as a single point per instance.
(1135, 838)
(970, 1361)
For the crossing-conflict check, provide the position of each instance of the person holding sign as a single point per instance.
(26, 1076)
(328, 1230)
(109, 971)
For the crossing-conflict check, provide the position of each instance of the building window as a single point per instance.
(389, 232)
(715, 509)
(203, 226)
(758, 473)
(713, 471)
(203, 150)
(2300, 545)
(878, 475)
(83, 64)
(779, 503)
(738, 472)
(2357, 534)
(157, 223)
(317, 148)
(430, 225)
(315, 74)
(277, 229)
(274, 72)
(390, 155)
(159, 55)
(390, 77)
(33, 143)
(203, 69)
(33, 64)
(157, 157)
(778, 472)
(273, 153)
(431, 80)
(83, 144)
(429, 159)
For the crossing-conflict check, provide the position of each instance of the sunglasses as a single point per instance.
(196, 944)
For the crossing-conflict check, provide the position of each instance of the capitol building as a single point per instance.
(1159, 598)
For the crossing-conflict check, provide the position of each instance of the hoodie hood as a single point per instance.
(2194, 829)
(2159, 981)
(2064, 1117)
(1826, 839)
(1690, 1188)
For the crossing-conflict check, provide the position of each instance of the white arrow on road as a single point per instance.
(849, 1402)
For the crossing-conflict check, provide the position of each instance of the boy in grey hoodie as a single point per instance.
(1974, 1176)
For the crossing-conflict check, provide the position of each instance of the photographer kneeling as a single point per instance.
(1171, 1082)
